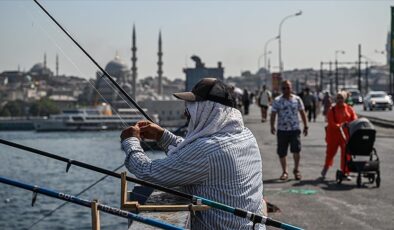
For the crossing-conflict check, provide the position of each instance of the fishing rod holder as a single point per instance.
(34, 197)
(69, 163)
(135, 206)
(95, 215)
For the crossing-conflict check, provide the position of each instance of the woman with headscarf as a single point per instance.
(219, 158)
(338, 116)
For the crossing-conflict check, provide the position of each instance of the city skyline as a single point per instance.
(232, 32)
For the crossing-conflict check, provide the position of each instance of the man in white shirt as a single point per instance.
(287, 106)
(264, 101)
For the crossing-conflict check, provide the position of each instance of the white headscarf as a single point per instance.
(208, 118)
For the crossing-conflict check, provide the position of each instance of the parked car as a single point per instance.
(378, 100)
(355, 95)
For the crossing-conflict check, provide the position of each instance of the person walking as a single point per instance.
(264, 100)
(326, 102)
(219, 158)
(287, 106)
(246, 101)
(338, 116)
(309, 101)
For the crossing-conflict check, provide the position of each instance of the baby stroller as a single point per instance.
(360, 145)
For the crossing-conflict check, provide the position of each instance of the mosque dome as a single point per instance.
(40, 69)
(37, 67)
(116, 67)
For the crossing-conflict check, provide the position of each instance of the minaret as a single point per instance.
(160, 65)
(57, 65)
(45, 60)
(134, 64)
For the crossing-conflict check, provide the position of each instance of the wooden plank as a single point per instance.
(123, 189)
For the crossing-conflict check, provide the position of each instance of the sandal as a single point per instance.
(297, 174)
(284, 176)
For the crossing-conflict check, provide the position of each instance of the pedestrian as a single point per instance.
(336, 135)
(349, 99)
(264, 100)
(218, 159)
(309, 101)
(287, 106)
(327, 102)
(246, 101)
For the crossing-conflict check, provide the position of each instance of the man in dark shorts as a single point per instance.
(287, 106)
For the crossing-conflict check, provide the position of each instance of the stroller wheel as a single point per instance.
(359, 180)
(339, 177)
(378, 180)
(371, 178)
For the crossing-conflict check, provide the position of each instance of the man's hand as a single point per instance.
(149, 130)
(132, 131)
(273, 130)
(305, 131)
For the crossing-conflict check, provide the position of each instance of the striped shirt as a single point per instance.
(224, 167)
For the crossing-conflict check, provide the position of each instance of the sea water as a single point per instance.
(101, 149)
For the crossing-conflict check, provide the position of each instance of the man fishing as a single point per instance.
(219, 158)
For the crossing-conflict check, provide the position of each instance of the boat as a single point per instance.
(89, 119)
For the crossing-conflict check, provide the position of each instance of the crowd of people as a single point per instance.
(219, 157)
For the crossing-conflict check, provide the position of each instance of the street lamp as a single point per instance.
(280, 39)
(265, 54)
(265, 49)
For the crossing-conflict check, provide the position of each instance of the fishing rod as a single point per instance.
(255, 218)
(78, 194)
(94, 61)
(87, 203)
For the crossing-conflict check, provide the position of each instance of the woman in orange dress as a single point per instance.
(338, 116)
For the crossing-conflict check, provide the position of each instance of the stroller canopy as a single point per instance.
(362, 123)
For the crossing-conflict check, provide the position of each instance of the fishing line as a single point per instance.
(124, 123)
(77, 195)
(49, 36)
(94, 61)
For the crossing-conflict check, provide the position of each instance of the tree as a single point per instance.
(14, 109)
(43, 107)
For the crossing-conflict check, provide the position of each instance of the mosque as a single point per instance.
(125, 77)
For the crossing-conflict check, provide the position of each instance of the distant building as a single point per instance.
(121, 74)
(170, 112)
(40, 71)
(194, 75)
(64, 101)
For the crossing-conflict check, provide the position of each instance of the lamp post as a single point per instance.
(265, 49)
(280, 38)
(265, 54)
(336, 68)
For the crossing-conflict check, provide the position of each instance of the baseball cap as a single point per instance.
(209, 89)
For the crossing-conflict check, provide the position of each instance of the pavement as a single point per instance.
(315, 204)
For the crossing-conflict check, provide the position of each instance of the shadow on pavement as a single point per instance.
(331, 185)
(277, 181)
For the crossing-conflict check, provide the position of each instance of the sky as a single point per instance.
(232, 32)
